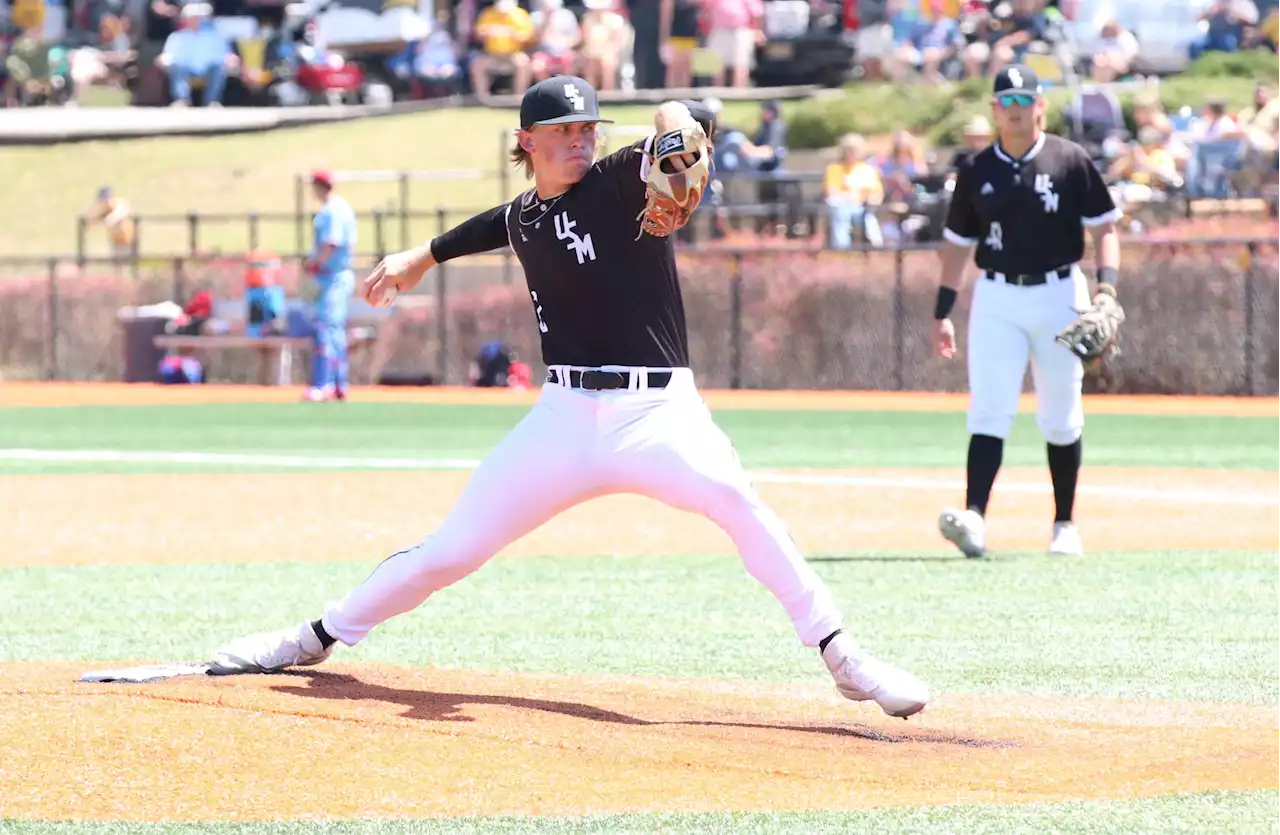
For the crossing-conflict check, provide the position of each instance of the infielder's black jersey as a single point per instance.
(1028, 215)
(601, 295)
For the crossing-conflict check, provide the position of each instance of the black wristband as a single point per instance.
(1108, 275)
(946, 301)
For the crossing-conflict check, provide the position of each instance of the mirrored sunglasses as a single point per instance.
(1016, 99)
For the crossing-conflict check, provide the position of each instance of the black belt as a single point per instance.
(595, 380)
(1027, 279)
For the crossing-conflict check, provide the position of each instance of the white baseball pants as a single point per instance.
(1009, 324)
(574, 446)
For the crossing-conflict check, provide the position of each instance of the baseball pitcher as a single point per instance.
(619, 411)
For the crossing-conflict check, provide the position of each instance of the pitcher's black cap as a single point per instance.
(560, 100)
(1017, 78)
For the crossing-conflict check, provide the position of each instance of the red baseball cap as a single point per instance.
(323, 177)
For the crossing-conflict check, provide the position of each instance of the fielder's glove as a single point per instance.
(1092, 337)
(671, 195)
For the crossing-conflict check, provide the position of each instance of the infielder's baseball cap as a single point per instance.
(703, 114)
(1017, 78)
(560, 100)
(324, 178)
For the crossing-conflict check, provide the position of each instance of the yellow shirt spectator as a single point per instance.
(505, 28)
(1270, 28)
(859, 181)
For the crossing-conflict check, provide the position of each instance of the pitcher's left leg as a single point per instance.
(674, 452)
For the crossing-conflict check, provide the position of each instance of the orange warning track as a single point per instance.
(123, 394)
(419, 743)
(147, 519)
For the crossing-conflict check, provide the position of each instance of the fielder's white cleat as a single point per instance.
(966, 528)
(860, 678)
(1066, 540)
(270, 652)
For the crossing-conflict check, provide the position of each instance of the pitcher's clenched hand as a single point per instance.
(399, 272)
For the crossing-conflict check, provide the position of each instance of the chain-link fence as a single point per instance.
(1202, 317)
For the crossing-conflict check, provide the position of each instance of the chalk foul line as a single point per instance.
(323, 462)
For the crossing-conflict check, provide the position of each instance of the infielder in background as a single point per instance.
(330, 265)
(1025, 202)
(619, 412)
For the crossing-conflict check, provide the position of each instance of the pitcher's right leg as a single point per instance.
(540, 469)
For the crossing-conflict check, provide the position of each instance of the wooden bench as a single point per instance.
(275, 364)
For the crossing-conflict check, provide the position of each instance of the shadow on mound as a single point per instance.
(432, 706)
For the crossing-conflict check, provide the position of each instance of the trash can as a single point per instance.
(141, 356)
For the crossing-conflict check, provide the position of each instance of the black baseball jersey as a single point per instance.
(1028, 215)
(602, 293)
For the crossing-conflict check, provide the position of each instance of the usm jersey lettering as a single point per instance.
(1028, 215)
(601, 295)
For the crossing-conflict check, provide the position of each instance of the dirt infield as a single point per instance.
(155, 518)
(123, 394)
(422, 743)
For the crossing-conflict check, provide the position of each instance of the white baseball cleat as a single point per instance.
(270, 652)
(860, 678)
(966, 528)
(1066, 540)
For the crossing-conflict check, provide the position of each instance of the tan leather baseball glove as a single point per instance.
(675, 187)
(1092, 337)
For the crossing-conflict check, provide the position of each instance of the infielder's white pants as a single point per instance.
(1009, 324)
(574, 446)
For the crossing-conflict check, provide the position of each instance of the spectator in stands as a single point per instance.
(678, 30)
(1145, 169)
(330, 265)
(921, 43)
(557, 35)
(506, 31)
(1005, 39)
(766, 151)
(899, 169)
(1214, 123)
(852, 190)
(1227, 21)
(734, 29)
(27, 71)
(197, 50)
(605, 33)
(1261, 120)
(1260, 123)
(116, 216)
(431, 64)
(1114, 54)
(977, 136)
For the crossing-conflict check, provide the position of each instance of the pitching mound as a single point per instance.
(352, 742)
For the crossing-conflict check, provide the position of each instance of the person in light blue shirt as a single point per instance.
(330, 266)
(197, 50)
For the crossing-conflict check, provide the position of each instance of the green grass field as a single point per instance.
(1167, 625)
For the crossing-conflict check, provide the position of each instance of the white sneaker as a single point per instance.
(860, 677)
(966, 528)
(1066, 540)
(270, 652)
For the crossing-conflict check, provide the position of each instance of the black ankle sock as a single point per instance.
(985, 455)
(822, 645)
(326, 640)
(1064, 469)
